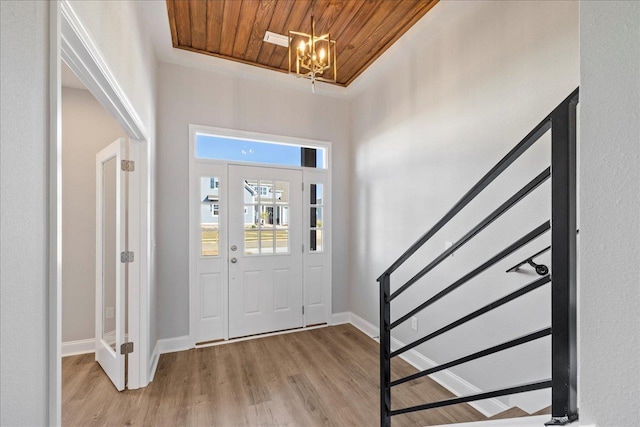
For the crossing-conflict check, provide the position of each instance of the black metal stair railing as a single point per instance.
(563, 381)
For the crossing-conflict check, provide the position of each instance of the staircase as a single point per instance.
(516, 412)
(562, 226)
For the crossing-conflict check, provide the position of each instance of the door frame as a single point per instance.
(194, 214)
(69, 39)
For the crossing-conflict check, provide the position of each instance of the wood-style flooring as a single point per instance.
(320, 377)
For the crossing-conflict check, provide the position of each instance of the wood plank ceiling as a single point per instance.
(234, 29)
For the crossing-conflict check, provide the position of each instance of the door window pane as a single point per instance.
(316, 217)
(266, 241)
(282, 240)
(109, 264)
(251, 241)
(266, 216)
(282, 192)
(266, 191)
(282, 216)
(316, 194)
(315, 240)
(210, 216)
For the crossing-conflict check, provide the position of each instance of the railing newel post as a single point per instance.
(385, 351)
(564, 364)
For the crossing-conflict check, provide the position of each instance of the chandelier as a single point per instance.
(312, 57)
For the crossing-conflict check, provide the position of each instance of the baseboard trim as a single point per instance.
(155, 357)
(446, 378)
(73, 348)
(340, 318)
(171, 345)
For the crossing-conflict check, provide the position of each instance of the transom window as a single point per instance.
(263, 152)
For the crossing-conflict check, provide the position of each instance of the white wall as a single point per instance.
(610, 202)
(23, 219)
(457, 92)
(119, 30)
(86, 129)
(193, 96)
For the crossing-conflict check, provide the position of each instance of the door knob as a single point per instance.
(234, 248)
(234, 260)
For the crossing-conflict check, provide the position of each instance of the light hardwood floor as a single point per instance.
(320, 377)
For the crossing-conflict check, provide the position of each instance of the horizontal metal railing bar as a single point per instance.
(495, 349)
(538, 385)
(540, 129)
(487, 308)
(496, 258)
(522, 193)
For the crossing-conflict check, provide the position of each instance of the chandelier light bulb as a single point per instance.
(322, 53)
(302, 46)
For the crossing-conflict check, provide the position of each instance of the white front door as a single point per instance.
(264, 250)
(111, 210)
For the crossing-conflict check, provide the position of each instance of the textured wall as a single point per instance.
(610, 229)
(451, 99)
(86, 129)
(23, 219)
(193, 96)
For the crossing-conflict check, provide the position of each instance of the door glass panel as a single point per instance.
(282, 216)
(282, 192)
(109, 262)
(267, 217)
(266, 191)
(251, 242)
(282, 241)
(316, 217)
(266, 241)
(251, 216)
(316, 240)
(316, 194)
(210, 216)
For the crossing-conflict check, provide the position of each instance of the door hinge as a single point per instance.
(127, 165)
(126, 348)
(126, 256)
(303, 186)
(303, 248)
(303, 309)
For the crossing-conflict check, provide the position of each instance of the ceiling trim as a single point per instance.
(231, 29)
(155, 12)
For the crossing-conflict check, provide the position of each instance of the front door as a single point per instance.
(264, 250)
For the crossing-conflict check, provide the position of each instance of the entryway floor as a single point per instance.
(320, 377)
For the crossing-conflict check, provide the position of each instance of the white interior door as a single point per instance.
(265, 250)
(111, 273)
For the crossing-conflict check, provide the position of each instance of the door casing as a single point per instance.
(69, 39)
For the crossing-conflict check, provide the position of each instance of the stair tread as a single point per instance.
(545, 411)
(516, 412)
